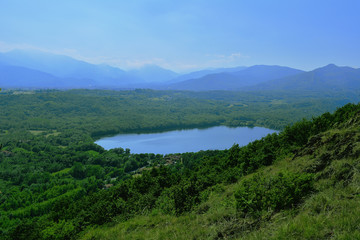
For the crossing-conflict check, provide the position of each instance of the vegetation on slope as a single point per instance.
(311, 193)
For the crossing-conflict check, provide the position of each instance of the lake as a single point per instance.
(180, 141)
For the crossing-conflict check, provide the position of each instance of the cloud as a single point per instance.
(5, 47)
(212, 60)
(237, 55)
(220, 58)
(136, 63)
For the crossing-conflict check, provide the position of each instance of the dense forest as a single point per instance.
(56, 183)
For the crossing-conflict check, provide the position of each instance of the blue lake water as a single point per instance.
(181, 141)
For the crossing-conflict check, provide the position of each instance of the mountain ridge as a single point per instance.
(36, 69)
(202, 73)
(235, 80)
(65, 67)
(329, 77)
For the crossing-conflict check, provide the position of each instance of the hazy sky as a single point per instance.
(187, 34)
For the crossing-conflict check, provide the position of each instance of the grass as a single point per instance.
(61, 172)
(36, 132)
(325, 215)
(40, 132)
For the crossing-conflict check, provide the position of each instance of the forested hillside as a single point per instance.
(56, 183)
(300, 184)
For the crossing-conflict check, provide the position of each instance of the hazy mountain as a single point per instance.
(66, 67)
(216, 81)
(330, 77)
(96, 75)
(37, 69)
(236, 80)
(152, 73)
(261, 73)
(20, 77)
(202, 73)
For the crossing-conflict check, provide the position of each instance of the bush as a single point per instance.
(259, 194)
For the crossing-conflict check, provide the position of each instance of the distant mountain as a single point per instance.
(36, 69)
(261, 73)
(217, 81)
(152, 73)
(330, 77)
(202, 73)
(84, 74)
(20, 77)
(66, 67)
(236, 80)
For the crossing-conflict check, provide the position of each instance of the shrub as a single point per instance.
(259, 194)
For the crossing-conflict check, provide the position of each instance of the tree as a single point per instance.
(78, 171)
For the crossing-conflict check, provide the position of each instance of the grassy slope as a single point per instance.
(331, 211)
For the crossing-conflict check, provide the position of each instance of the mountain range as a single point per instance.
(36, 69)
(330, 77)
(236, 80)
(202, 73)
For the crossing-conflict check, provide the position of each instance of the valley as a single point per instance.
(56, 183)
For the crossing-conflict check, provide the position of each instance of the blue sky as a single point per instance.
(189, 34)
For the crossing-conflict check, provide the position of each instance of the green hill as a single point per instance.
(310, 190)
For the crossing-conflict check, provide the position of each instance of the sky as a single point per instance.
(187, 35)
